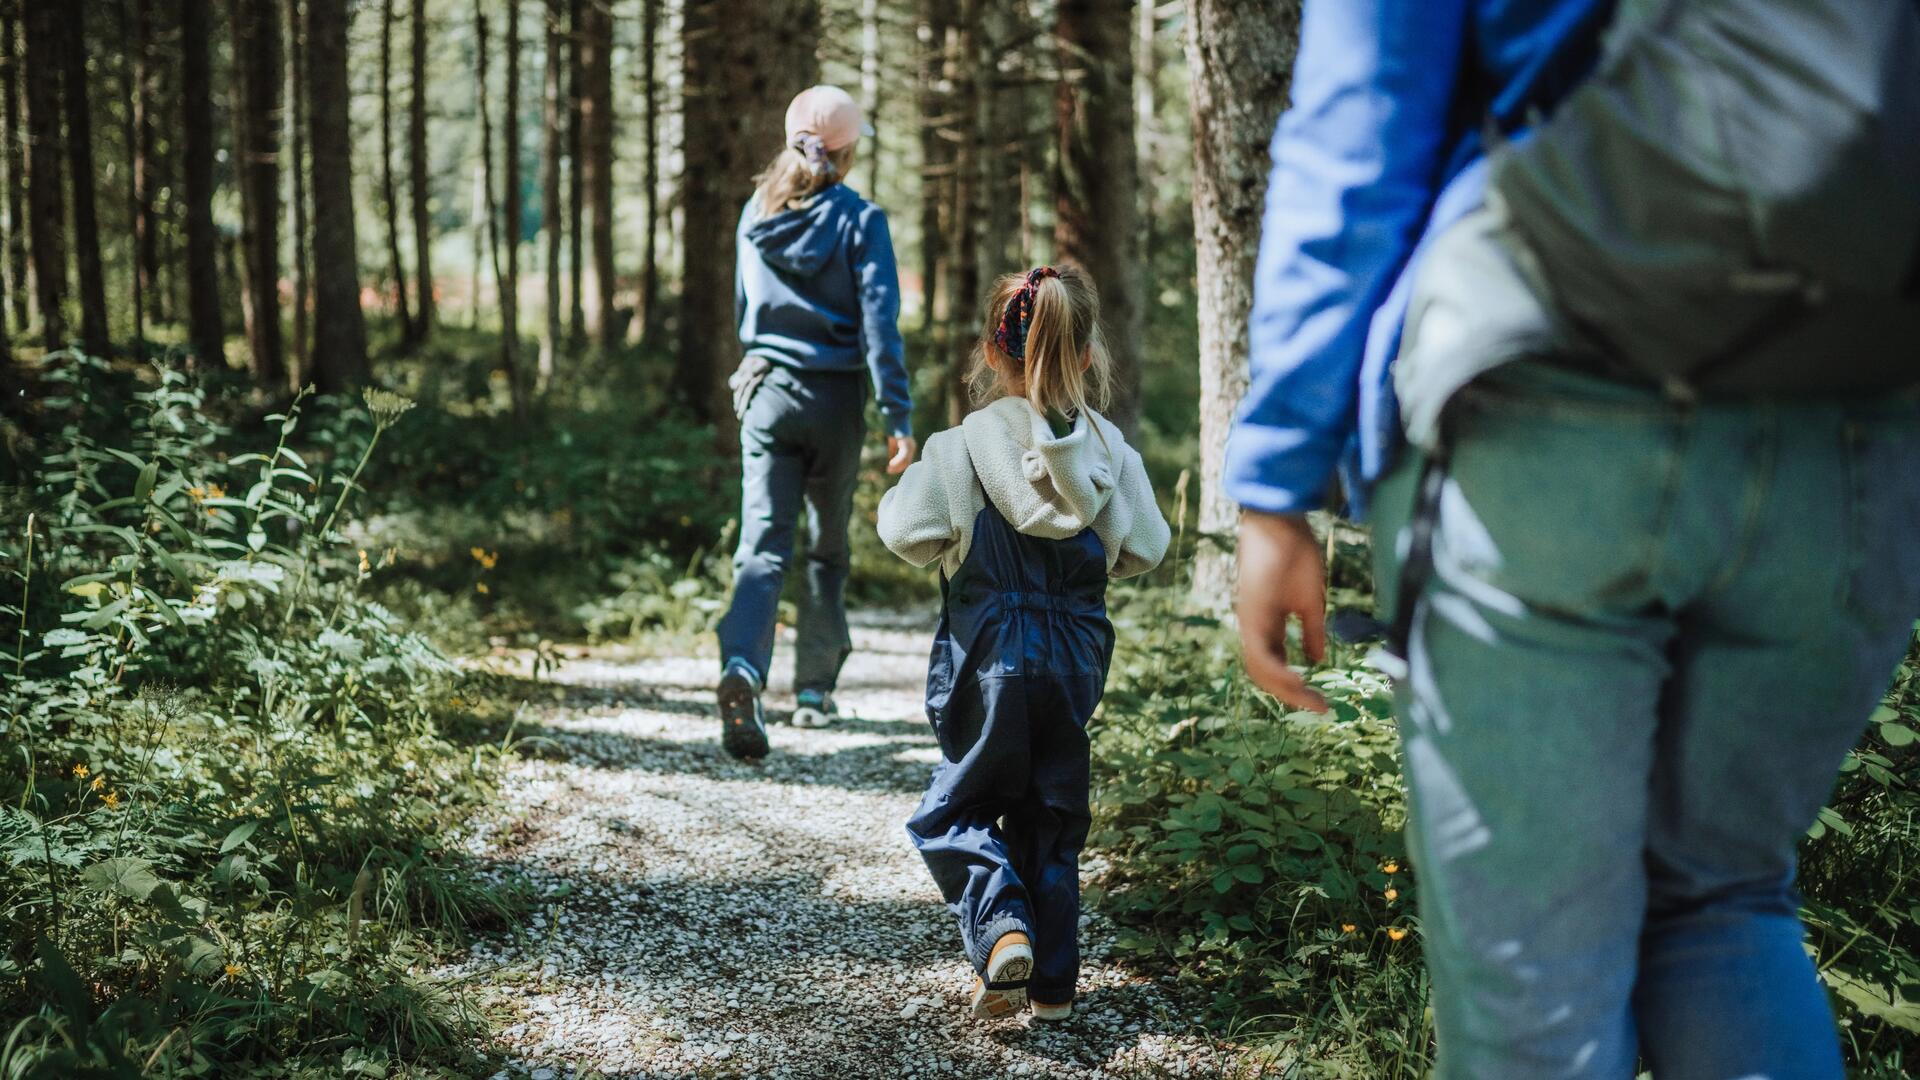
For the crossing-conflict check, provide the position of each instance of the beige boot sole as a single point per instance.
(1004, 991)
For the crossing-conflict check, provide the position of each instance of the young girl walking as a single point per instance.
(1029, 506)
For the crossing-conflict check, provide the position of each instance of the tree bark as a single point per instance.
(81, 176)
(339, 328)
(508, 278)
(645, 311)
(16, 253)
(257, 72)
(301, 367)
(870, 88)
(424, 315)
(743, 60)
(551, 205)
(197, 144)
(596, 165)
(389, 193)
(130, 72)
(1239, 64)
(576, 190)
(47, 204)
(936, 157)
(1146, 132)
(974, 72)
(1096, 187)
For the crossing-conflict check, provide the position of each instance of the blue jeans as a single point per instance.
(799, 446)
(1651, 635)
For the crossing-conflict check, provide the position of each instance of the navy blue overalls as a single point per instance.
(1019, 662)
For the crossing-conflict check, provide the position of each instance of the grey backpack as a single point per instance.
(1728, 205)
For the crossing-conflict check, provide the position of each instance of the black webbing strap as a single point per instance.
(1418, 569)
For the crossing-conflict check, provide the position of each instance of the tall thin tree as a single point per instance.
(424, 315)
(204, 326)
(82, 178)
(576, 189)
(934, 98)
(15, 159)
(339, 328)
(389, 194)
(735, 53)
(130, 72)
(870, 87)
(256, 65)
(646, 313)
(1096, 192)
(47, 204)
(1239, 65)
(552, 207)
(301, 367)
(506, 270)
(146, 222)
(596, 164)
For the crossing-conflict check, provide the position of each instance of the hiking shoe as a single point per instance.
(815, 709)
(1003, 991)
(1052, 1013)
(743, 727)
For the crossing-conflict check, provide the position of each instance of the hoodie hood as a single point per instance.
(801, 241)
(1046, 485)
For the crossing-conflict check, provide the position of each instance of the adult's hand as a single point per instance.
(900, 452)
(1281, 578)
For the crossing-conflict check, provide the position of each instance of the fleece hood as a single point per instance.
(801, 241)
(1045, 485)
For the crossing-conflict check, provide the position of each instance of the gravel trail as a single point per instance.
(712, 918)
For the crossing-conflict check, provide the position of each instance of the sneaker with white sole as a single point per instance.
(1003, 991)
(743, 725)
(1052, 1013)
(814, 709)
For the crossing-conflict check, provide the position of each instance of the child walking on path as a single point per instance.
(1028, 506)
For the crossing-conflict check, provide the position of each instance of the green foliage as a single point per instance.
(226, 795)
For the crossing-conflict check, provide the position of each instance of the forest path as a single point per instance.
(713, 918)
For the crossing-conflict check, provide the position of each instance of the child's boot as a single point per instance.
(743, 726)
(1052, 1013)
(1003, 991)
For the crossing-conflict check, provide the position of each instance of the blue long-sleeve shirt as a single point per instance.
(1383, 146)
(818, 289)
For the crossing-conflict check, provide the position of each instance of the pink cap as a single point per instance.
(827, 113)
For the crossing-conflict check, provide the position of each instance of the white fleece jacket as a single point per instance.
(1043, 485)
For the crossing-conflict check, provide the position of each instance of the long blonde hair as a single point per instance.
(1055, 328)
(789, 181)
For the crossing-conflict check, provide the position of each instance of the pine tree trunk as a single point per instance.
(47, 204)
(1239, 64)
(741, 56)
(12, 152)
(596, 165)
(339, 328)
(424, 316)
(576, 189)
(973, 75)
(551, 205)
(129, 139)
(197, 145)
(146, 223)
(1146, 68)
(300, 369)
(81, 177)
(936, 157)
(645, 312)
(510, 176)
(870, 88)
(1096, 188)
(389, 193)
(257, 71)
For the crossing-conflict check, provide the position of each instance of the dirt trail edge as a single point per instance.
(710, 918)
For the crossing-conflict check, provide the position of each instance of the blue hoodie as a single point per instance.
(817, 289)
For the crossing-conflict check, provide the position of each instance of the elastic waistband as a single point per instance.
(1039, 601)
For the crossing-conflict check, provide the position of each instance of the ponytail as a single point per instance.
(801, 171)
(1044, 342)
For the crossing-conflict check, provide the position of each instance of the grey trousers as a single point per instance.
(800, 448)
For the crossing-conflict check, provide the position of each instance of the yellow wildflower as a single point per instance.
(98, 783)
(80, 772)
(363, 561)
(1347, 928)
(215, 491)
(196, 493)
(232, 970)
(1391, 868)
(1396, 932)
(1393, 894)
(478, 553)
(481, 588)
(111, 800)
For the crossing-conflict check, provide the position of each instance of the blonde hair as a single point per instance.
(787, 182)
(1064, 363)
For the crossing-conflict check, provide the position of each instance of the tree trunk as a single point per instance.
(256, 67)
(301, 367)
(197, 144)
(551, 205)
(1146, 67)
(509, 279)
(576, 190)
(936, 157)
(1096, 188)
(596, 165)
(973, 76)
(47, 204)
(645, 311)
(424, 315)
(130, 71)
(16, 253)
(339, 329)
(1239, 64)
(81, 175)
(389, 193)
(870, 88)
(741, 58)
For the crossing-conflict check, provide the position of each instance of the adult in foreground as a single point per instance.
(817, 298)
(1641, 611)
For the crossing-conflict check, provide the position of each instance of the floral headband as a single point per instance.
(814, 149)
(1011, 334)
